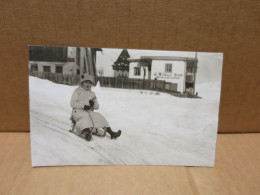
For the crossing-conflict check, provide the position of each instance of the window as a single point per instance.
(137, 71)
(34, 67)
(46, 69)
(58, 69)
(78, 72)
(168, 68)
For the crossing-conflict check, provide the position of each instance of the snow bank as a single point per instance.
(157, 129)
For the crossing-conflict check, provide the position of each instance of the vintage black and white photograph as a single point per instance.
(104, 106)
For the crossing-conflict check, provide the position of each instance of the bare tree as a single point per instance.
(101, 71)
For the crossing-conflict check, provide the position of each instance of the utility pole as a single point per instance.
(144, 76)
(195, 71)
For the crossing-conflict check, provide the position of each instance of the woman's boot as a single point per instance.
(113, 134)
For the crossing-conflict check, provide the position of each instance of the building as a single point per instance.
(180, 71)
(63, 60)
(121, 65)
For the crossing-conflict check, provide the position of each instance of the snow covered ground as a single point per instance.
(156, 129)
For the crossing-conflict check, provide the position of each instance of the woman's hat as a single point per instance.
(87, 77)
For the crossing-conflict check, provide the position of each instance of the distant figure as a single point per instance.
(86, 121)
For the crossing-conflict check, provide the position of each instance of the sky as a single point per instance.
(209, 64)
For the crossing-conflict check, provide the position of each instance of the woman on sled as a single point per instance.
(86, 121)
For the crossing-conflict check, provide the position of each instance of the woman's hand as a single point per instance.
(91, 103)
(86, 107)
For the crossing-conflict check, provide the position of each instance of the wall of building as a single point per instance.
(158, 71)
(176, 76)
(69, 63)
(132, 65)
(68, 68)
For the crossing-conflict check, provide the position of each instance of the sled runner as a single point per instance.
(101, 132)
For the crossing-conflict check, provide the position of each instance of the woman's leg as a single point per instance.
(87, 134)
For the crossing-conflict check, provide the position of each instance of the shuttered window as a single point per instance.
(59, 69)
(46, 69)
(168, 68)
(137, 71)
(34, 67)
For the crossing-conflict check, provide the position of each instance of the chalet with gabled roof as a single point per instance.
(121, 65)
(180, 71)
(63, 60)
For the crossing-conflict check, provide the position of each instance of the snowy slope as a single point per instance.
(157, 129)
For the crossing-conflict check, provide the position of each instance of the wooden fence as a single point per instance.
(112, 82)
(128, 83)
(57, 77)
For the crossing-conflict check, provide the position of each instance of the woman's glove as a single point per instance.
(86, 107)
(91, 103)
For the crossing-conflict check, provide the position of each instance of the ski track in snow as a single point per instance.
(58, 127)
(53, 124)
(184, 135)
